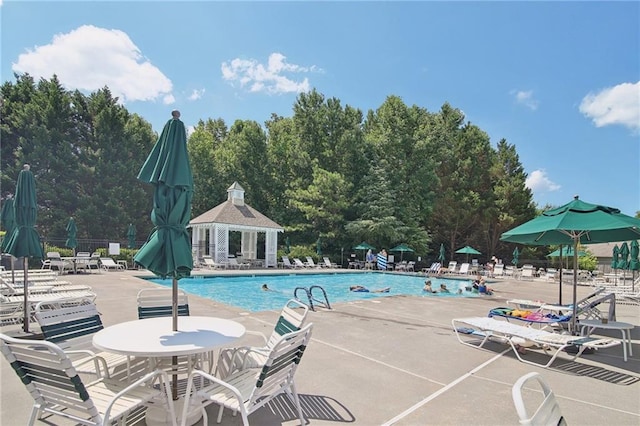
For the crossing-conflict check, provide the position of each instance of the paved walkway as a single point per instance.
(395, 360)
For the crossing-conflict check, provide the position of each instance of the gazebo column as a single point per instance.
(212, 242)
(221, 234)
(271, 249)
(249, 244)
(195, 247)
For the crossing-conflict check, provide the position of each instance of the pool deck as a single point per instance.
(396, 360)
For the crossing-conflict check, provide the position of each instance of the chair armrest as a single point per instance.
(91, 357)
(259, 334)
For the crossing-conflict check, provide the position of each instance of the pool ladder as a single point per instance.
(309, 293)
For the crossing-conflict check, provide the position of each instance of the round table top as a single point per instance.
(153, 337)
(614, 325)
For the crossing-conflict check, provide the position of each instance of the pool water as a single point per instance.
(246, 291)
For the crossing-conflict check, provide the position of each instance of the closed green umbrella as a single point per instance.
(131, 236)
(576, 222)
(167, 251)
(72, 232)
(623, 263)
(442, 254)
(615, 257)
(634, 263)
(402, 248)
(516, 255)
(25, 241)
(287, 246)
(8, 220)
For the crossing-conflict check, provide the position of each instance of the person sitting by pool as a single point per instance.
(427, 287)
(483, 289)
(363, 289)
(444, 289)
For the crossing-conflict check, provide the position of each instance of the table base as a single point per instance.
(157, 415)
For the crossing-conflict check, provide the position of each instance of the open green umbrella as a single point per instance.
(167, 251)
(131, 236)
(576, 222)
(402, 248)
(467, 250)
(442, 254)
(25, 241)
(364, 246)
(72, 233)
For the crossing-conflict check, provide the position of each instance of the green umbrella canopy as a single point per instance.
(364, 246)
(615, 257)
(25, 241)
(467, 250)
(516, 255)
(576, 222)
(402, 248)
(623, 263)
(8, 220)
(634, 263)
(131, 236)
(72, 232)
(442, 254)
(167, 252)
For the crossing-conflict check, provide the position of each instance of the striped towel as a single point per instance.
(382, 262)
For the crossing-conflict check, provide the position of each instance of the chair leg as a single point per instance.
(296, 400)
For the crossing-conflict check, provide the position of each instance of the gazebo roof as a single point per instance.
(235, 213)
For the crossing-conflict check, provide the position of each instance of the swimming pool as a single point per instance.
(245, 291)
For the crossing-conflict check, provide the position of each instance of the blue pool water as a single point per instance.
(245, 291)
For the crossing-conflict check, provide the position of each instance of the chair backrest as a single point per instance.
(157, 302)
(62, 324)
(327, 262)
(464, 268)
(498, 269)
(48, 374)
(310, 261)
(298, 261)
(282, 363)
(291, 318)
(53, 255)
(286, 261)
(107, 261)
(547, 413)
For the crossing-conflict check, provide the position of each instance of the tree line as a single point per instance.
(396, 174)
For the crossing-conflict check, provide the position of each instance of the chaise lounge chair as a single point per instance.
(517, 336)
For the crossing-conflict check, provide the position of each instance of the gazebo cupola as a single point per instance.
(235, 194)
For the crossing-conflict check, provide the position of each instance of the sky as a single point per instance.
(558, 80)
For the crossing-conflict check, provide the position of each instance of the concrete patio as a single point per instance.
(396, 360)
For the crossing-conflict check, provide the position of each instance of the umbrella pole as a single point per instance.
(575, 287)
(174, 360)
(560, 279)
(25, 297)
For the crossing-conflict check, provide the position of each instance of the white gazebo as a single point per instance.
(213, 227)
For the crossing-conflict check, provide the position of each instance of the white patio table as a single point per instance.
(589, 326)
(154, 338)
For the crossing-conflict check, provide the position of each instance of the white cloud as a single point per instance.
(89, 58)
(525, 97)
(196, 94)
(538, 181)
(614, 105)
(271, 78)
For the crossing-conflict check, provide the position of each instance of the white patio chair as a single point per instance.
(108, 264)
(547, 413)
(292, 318)
(249, 389)
(56, 388)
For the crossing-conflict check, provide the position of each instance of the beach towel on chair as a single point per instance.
(382, 262)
